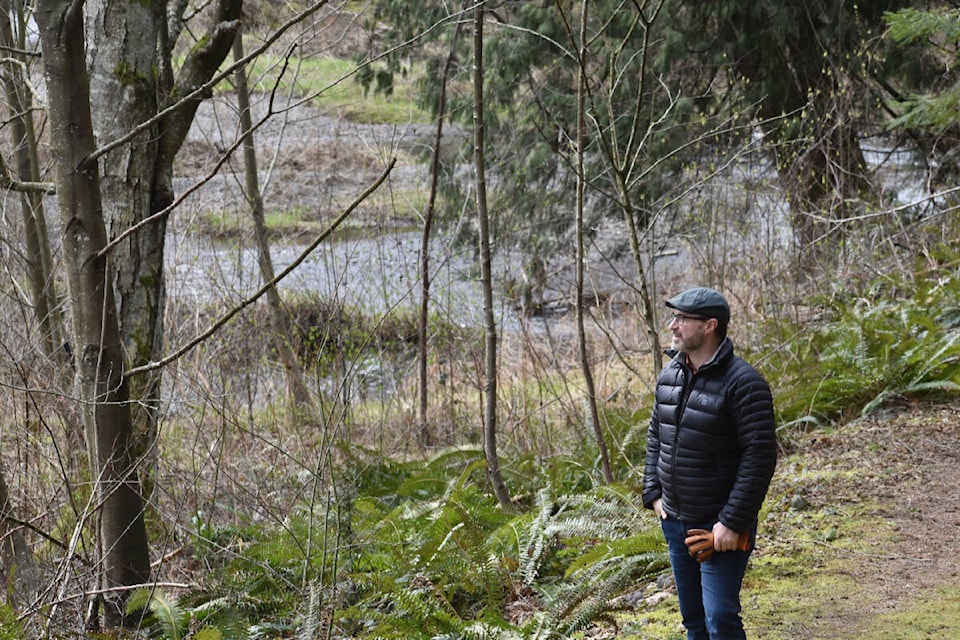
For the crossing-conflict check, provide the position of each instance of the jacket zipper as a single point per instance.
(684, 396)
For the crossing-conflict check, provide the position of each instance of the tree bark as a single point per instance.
(103, 391)
(137, 177)
(122, 76)
(486, 276)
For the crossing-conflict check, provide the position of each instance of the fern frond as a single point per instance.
(646, 546)
(534, 542)
(312, 620)
(454, 458)
(596, 587)
(164, 608)
(486, 631)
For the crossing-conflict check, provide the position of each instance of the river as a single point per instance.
(372, 274)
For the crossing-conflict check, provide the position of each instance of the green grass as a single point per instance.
(332, 85)
(934, 615)
(394, 208)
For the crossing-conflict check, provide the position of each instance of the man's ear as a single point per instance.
(712, 324)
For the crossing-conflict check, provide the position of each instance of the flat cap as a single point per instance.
(702, 301)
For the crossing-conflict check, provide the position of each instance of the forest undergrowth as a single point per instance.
(356, 520)
(363, 533)
(271, 525)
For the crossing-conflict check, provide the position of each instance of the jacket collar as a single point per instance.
(722, 354)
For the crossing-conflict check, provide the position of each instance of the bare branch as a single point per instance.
(207, 86)
(12, 184)
(151, 366)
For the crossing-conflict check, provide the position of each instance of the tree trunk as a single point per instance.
(102, 388)
(807, 106)
(296, 385)
(424, 435)
(122, 76)
(822, 176)
(593, 415)
(486, 276)
(39, 262)
(19, 575)
(130, 82)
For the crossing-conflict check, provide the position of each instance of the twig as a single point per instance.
(152, 366)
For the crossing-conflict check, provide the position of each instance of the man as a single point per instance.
(711, 451)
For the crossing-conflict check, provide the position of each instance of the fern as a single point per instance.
(164, 610)
(613, 543)
(535, 541)
(863, 353)
(433, 555)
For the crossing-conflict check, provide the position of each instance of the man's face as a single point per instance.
(688, 332)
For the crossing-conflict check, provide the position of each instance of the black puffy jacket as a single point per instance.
(711, 445)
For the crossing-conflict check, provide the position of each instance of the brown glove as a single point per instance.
(700, 543)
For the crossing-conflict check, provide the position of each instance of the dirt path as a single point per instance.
(899, 472)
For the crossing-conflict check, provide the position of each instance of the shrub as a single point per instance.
(867, 350)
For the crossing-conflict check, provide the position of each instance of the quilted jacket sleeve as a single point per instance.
(651, 484)
(752, 409)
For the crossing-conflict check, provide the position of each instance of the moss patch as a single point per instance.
(934, 615)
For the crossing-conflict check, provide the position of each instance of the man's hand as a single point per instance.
(702, 544)
(726, 539)
(658, 509)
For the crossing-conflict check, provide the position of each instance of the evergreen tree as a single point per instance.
(924, 86)
(807, 68)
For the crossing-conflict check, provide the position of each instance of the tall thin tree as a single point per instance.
(280, 321)
(593, 414)
(20, 105)
(486, 274)
(424, 434)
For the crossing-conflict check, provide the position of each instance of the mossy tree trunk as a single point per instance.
(131, 83)
(103, 392)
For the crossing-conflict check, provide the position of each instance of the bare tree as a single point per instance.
(118, 87)
(424, 434)
(20, 106)
(486, 275)
(296, 384)
(621, 159)
(593, 415)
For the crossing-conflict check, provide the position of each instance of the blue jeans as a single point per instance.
(709, 592)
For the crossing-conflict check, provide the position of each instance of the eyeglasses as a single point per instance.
(681, 319)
